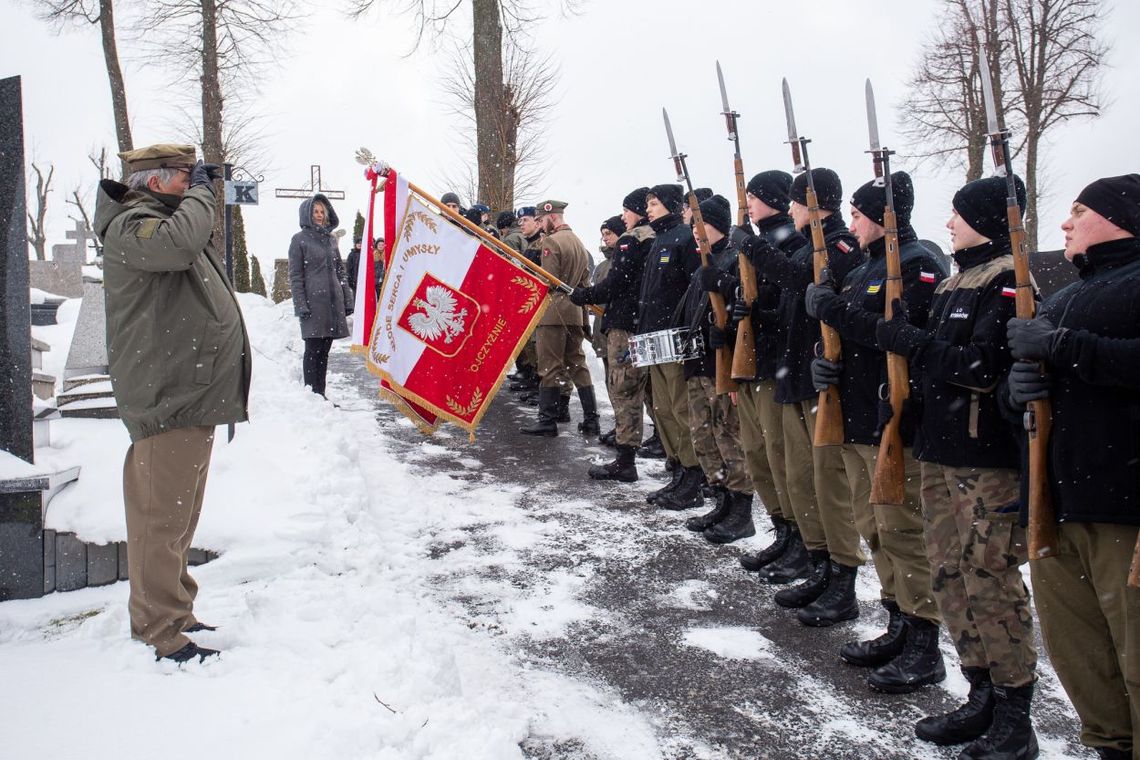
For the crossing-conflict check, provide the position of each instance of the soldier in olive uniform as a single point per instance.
(530, 239)
(560, 332)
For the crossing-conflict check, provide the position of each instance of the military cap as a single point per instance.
(551, 207)
(160, 156)
(525, 211)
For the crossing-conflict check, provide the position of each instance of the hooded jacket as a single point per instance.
(177, 348)
(316, 275)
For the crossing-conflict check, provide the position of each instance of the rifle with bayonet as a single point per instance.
(744, 357)
(724, 383)
(829, 414)
(1043, 539)
(888, 483)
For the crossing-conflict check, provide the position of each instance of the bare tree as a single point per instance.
(37, 235)
(1051, 58)
(101, 12)
(99, 161)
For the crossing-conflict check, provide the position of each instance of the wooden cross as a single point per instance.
(314, 187)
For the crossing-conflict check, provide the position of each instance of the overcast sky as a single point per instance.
(339, 85)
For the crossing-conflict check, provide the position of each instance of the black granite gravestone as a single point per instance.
(21, 511)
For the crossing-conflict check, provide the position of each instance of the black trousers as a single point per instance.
(316, 363)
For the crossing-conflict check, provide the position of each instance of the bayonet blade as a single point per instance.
(669, 133)
(793, 133)
(872, 119)
(723, 92)
(988, 92)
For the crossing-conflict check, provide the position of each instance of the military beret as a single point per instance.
(525, 211)
(551, 207)
(160, 156)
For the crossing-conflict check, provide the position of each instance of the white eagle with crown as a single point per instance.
(438, 317)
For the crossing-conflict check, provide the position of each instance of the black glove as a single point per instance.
(718, 338)
(818, 298)
(740, 310)
(825, 373)
(757, 249)
(1027, 383)
(304, 314)
(897, 336)
(710, 279)
(579, 297)
(215, 172)
(1030, 338)
(200, 175)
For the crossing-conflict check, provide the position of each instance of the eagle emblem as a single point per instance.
(438, 318)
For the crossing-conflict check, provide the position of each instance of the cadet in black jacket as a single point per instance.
(672, 260)
(713, 420)
(894, 533)
(1088, 336)
(620, 291)
(817, 481)
(971, 483)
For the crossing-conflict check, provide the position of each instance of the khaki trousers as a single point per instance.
(894, 533)
(561, 361)
(835, 494)
(715, 427)
(626, 386)
(164, 480)
(1090, 620)
(976, 548)
(671, 411)
(800, 476)
(762, 437)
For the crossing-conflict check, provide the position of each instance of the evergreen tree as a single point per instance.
(257, 282)
(358, 227)
(241, 254)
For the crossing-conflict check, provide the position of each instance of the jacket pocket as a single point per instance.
(208, 348)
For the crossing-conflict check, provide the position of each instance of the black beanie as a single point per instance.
(773, 188)
(635, 201)
(1117, 199)
(474, 216)
(450, 198)
(703, 194)
(717, 212)
(505, 220)
(672, 197)
(981, 204)
(871, 199)
(828, 189)
(615, 225)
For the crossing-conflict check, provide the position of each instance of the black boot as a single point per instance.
(589, 424)
(563, 409)
(1111, 753)
(809, 589)
(737, 524)
(835, 604)
(1011, 735)
(881, 649)
(919, 663)
(969, 721)
(622, 468)
(718, 513)
(653, 448)
(608, 438)
(687, 494)
(547, 413)
(676, 471)
(792, 565)
(771, 552)
(527, 380)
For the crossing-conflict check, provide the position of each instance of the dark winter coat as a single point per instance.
(864, 364)
(963, 362)
(1094, 449)
(533, 248)
(177, 348)
(620, 289)
(672, 259)
(792, 274)
(695, 310)
(316, 275)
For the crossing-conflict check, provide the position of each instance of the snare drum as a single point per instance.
(678, 344)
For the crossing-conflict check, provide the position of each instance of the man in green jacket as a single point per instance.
(179, 361)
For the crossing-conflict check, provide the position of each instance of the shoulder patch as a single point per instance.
(843, 246)
(1009, 292)
(147, 228)
(927, 277)
(545, 251)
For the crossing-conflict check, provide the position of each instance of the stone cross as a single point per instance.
(313, 188)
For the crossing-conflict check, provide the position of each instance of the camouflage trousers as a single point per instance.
(975, 547)
(626, 386)
(561, 362)
(715, 428)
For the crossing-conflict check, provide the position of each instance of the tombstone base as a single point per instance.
(21, 545)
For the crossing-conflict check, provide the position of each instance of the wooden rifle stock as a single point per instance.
(724, 383)
(829, 413)
(1043, 539)
(744, 357)
(888, 485)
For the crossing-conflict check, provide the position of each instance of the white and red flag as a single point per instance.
(451, 316)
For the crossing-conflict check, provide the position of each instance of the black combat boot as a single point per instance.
(881, 649)
(1011, 735)
(790, 566)
(737, 524)
(718, 513)
(1111, 753)
(622, 468)
(676, 471)
(526, 380)
(563, 408)
(589, 424)
(608, 438)
(652, 448)
(919, 663)
(809, 589)
(969, 721)
(547, 413)
(837, 603)
(771, 552)
(687, 494)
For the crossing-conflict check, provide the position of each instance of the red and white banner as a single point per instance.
(451, 317)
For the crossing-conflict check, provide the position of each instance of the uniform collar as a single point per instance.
(968, 258)
(1105, 256)
(665, 223)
